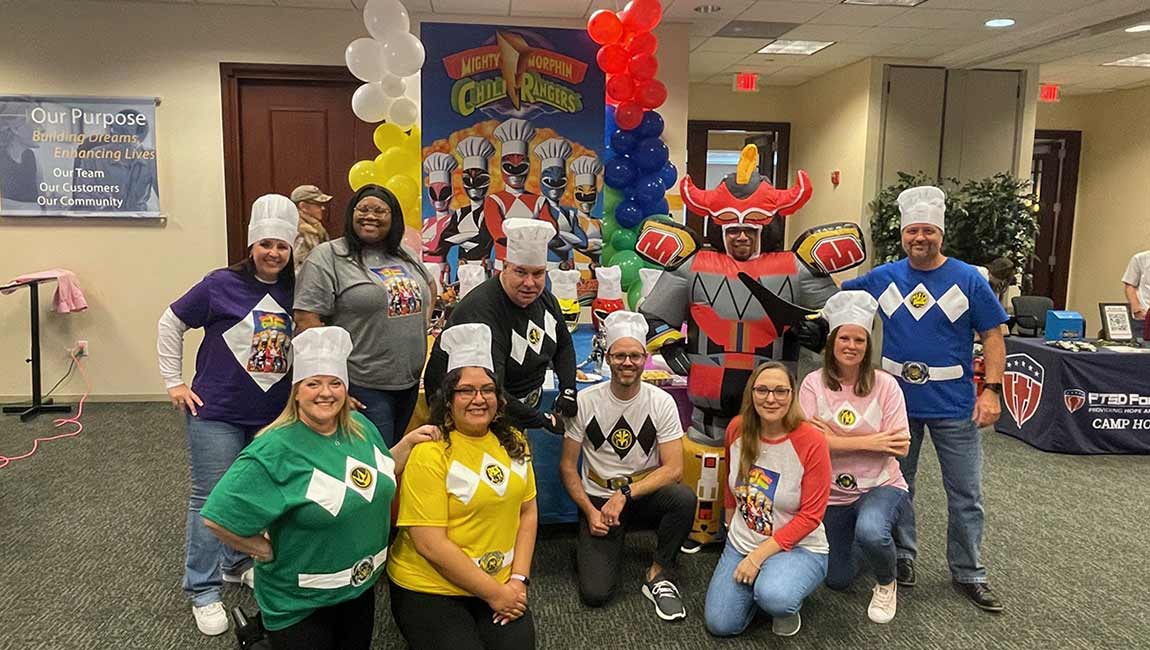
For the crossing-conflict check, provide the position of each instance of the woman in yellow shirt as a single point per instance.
(467, 516)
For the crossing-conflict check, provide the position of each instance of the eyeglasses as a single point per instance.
(379, 212)
(780, 392)
(471, 391)
(633, 357)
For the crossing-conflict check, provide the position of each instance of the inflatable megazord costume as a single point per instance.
(743, 303)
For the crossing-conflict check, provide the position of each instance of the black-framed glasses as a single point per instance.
(623, 357)
(471, 391)
(780, 392)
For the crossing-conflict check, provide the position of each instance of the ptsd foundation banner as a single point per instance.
(78, 157)
(512, 127)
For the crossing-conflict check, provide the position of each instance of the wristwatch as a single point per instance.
(521, 578)
(994, 386)
(626, 490)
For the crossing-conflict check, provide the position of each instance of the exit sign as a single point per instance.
(746, 82)
(1049, 93)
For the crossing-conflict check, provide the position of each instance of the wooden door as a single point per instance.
(287, 126)
(1054, 175)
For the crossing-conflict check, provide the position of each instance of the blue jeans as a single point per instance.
(959, 447)
(212, 446)
(388, 410)
(784, 580)
(862, 531)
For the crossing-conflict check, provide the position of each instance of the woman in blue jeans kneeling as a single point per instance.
(863, 416)
(779, 473)
(241, 383)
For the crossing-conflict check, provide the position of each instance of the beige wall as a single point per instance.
(1112, 215)
(131, 273)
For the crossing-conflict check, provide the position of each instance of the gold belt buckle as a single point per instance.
(618, 482)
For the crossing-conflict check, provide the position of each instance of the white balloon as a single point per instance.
(404, 113)
(370, 104)
(403, 54)
(385, 17)
(365, 59)
(393, 86)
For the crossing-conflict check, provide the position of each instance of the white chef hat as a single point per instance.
(274, 216)
(553, 152)
(984, 272)
(435, 270)
(467, 344)
(475, 151)
(565, 284)
(850, 308)
(515, 134)
(438, 167)
(647, 279)
(470, 276)
(527, 240)
(586, 169)
(610, 283)
(320, 351)
(625, 325)
(924, 204)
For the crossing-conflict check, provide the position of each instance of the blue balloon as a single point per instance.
(651, 154)
(649, 189)
(623, 141)
(658, 207)
(619, 172)
(669, 175)
(629, 214)
(651, 126)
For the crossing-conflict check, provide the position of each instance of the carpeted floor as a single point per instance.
(92, 530)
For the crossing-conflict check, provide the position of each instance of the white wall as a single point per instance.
(130, 273)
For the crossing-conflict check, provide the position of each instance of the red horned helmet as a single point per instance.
(723, 208)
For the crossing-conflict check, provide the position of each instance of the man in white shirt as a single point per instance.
(630, 436)
(1137, 285)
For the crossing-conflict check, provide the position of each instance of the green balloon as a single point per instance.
(624, 239)
(635, 295)
(611, 198)
(606, 254)
(609, 227)
(629, 264)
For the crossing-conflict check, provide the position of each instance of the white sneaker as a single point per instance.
(247, 578)
(211, 618)
(787, 625)
(883, 603)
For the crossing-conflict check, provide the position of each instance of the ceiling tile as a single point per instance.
(858, 15)
(693, 42)
(890, 36)
(556, 8)
(685, 9)
(480, 7)
(782, 12)
(759, 63)
(707, 27)
(319, 4)
(809, 32)
(733, 45)
(912, 51)
(238, 2)
(966, 20)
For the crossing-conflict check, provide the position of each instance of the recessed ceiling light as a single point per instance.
(1138, 29)
(796, 47)
(1136, 61)
(885, 3)
(708, 9)
(999, 23)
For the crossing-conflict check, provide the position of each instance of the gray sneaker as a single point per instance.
(787, 625)
(665, 595)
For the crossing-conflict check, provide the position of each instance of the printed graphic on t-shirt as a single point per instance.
(756, 499)
(270, 341)
(403, 295)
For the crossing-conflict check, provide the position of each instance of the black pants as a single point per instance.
(434, 622)
(670, 511)
(346, 626)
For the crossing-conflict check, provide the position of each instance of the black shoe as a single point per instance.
(906, 577)
(981, 595)
(665, 595)
(690, 547)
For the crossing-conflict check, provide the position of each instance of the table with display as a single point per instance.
(1076, 402)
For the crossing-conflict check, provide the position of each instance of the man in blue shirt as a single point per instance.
(931, 306)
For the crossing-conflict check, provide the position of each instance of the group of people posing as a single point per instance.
(299, 470)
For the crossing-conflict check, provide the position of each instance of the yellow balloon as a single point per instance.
(403, 187)
(388, 135)
(413, 137)
(397, 160)
(361, 173)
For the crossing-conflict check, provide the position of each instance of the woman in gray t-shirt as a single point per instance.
(366, 283)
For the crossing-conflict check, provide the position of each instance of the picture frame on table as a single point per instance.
(1116, 321)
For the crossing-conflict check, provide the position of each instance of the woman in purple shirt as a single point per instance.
(241, 383)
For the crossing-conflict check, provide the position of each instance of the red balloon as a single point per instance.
(620, 87)
(640, 43)
(604, 27)
(642, 15)
(651, 94)
(628, 115)
(643, 67)
(612, 59)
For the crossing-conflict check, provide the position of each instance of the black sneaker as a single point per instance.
(981, 595)
(665, 595)
(906, 577)
(690, 547)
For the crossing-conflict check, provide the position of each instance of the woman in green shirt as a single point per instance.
(310, 499)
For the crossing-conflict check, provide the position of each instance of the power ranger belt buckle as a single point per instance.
(618, 482)
(915, 372)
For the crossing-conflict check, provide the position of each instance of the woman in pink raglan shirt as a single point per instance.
(862, 414)
(779, 473)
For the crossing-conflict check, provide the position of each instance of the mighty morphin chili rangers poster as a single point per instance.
(513, 122)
